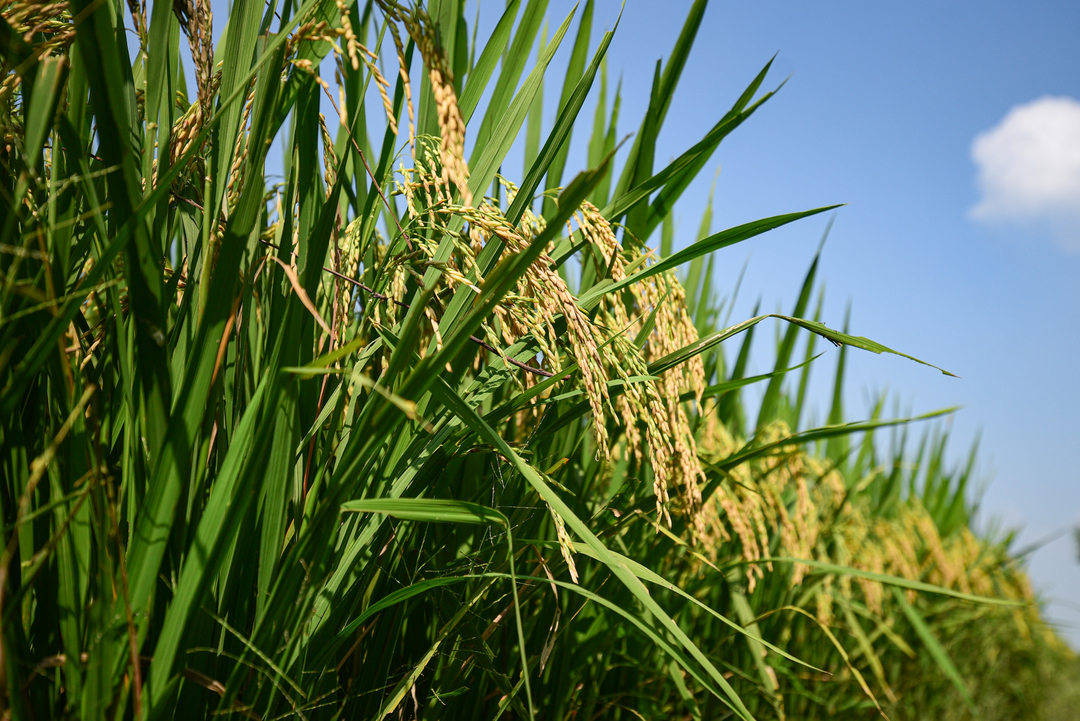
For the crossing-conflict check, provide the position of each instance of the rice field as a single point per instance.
(401, 436)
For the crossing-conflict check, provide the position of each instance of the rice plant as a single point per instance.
(401, 435)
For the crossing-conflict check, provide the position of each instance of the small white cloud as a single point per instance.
(1029, 168)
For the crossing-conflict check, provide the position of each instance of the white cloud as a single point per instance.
(1029, 168)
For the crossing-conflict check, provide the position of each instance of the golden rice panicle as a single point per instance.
(558, 299)
(642, 402)
(197, 20)
(330, 161)
(766, 499)
(899, 538)
(49, 28)
(940, 568)
(541, 296)
(184, 132)
(872, 558)
(240, 150)
(738, 513)
(352, 45)
(788, 498)
(406, 82)
(773, 489)
(566, 546)
(349, 252)
(669, 439)
(800, 522)
(451, 123)
(980, 574)
(732, 506)
(823, 600)
(45, 24)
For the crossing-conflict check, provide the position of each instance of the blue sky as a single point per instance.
(882, 109)
(972, 266)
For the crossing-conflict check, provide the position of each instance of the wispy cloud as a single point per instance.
(1029, 168)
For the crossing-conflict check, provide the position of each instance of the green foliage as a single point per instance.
(348, 446)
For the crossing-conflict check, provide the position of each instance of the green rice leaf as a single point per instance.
(491, 150)
(558, 142)
(652, 577)
(434, 510)
(893, 581)
(481, 72)
(575, 70)
(937, 651)
(229, 500)
(632, 583)
(753, 450)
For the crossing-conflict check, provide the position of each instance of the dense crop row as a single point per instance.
(401, 435)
